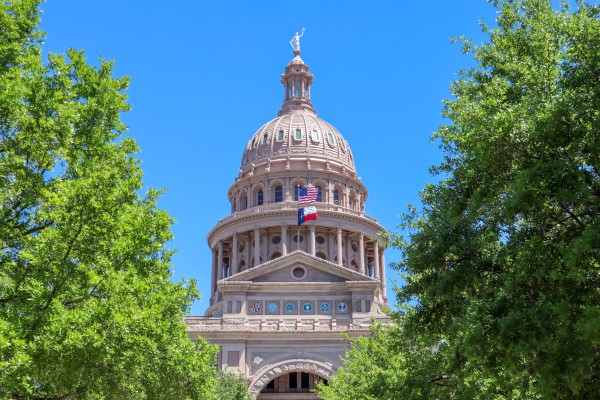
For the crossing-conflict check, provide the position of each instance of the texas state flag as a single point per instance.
(307, 214)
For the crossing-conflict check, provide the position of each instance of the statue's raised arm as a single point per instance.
(295, 42)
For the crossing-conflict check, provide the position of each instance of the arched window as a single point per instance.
(259, 197)
(278, 194)
(319, 194)
(336, 197)
(322, 255)
(243, 202)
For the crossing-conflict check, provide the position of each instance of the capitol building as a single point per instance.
(282, 295)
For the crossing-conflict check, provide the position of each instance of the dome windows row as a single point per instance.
(337, 195)
(298, 136)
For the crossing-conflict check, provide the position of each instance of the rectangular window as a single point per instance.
(229, 307)
(280, 136)
(265, 138)
(298, 134)
(238, 307)
(233, 358)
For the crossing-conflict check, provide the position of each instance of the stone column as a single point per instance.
(214, 273)
(376, 258)
(361, 254)
(339, 247)
(383, 277)
(247, 242)
(346, 196)
(256, 247)
(348, 250)
(312, 240)
(283, 240)
(234, 255)
(220, 261)
(264, 248)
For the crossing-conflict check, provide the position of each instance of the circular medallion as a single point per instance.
(255, 307)
(325, 307)
(272, 307)
(307, 307)
(290, 307)
(342, 307)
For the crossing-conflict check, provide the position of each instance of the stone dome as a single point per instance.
(298, 133)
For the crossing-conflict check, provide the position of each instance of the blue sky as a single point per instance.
(205, 76)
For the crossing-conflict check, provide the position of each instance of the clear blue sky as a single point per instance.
(205, 76)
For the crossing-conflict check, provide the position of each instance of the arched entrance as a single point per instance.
(292, 379)
(293, 385)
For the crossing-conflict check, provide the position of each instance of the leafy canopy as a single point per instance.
(87, 308)
(503, 261)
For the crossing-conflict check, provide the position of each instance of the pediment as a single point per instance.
(290, 268)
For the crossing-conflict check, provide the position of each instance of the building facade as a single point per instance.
(281, 297)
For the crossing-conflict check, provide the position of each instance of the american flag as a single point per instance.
(307, 195)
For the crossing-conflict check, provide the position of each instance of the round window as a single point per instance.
(320, 239)
(325, 307)
(298, 272)
(276, 239)
(296, 238)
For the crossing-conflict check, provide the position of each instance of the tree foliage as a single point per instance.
(232, 387)
(87, 308)
(503, 261)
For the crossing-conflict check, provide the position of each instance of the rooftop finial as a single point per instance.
(295, 42)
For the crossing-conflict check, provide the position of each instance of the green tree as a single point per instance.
(389, 365)
(87, 308)
(504, 258)
(502, 263)
(232, 387)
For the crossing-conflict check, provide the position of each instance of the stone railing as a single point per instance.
(276, 324)
(291, 206)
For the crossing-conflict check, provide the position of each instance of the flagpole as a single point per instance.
(298, 234)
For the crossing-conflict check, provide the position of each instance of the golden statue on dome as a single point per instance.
(295, 42)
